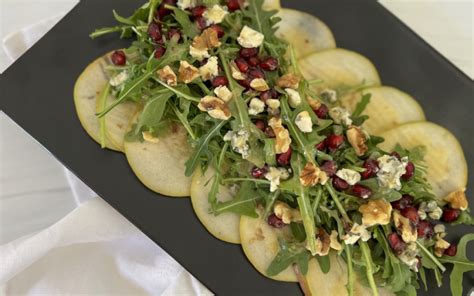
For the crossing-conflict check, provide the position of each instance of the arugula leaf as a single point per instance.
(324, 263)
(461, 264)
(188, 27)
(361, 105)
(269, 203)
(465, 218)
(243, 203)
(153, 112)
(259, 19)
(287, 256)
(298, 231)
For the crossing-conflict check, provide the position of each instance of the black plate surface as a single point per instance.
(37, 93)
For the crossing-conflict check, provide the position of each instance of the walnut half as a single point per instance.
(357, 139)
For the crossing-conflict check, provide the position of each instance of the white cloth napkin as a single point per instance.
(93, 250)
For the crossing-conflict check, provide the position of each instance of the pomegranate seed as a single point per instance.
(329, 167)
(269, 94)
(253, 61)
(219, 81)
(260, 124)
(334, 141)
(245, 83)
(118, 58)
(450, 215)
(162, 11)
(371, 167)
(409, 171)
(322, 111)
(255, 73)
(198, 11)
(269, 64)
(200, 23)
(258, 173)
(405, 201)
(284, 158)
(321, 146)
(174, 32)
(274, 221)
(220, 32)
(242, 65)
(339, 184)
(396, 155)
(411, 213)
(361, 191)
(451, 250)
(159, 51)
(248, 52)
(396, 243)
(269, 132)
(154, 31)
(425, 229)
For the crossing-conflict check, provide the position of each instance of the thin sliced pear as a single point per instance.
(271, 5)
(447, 167)
(305, 32)
(224, 226)
(339, 69)
(160, 166)
(388, 108)
(260, 244)
(88, 87)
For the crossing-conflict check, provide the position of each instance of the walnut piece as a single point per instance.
(323, 242)
(259, 84)
(282, 136)
(457, 200)
(335, 244)
(187, 72)
(440, 246)
(357, 139)
(215, 107)
(207, 40)
(286, 213)
(312, 175)
(407, 229)
(375, 212)
(315, 104)
(167, 75)
(289, 80)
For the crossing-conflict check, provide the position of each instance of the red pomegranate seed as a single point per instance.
(371, 167)
(198, 11)
(258, 173)
(269, 94)
(248, 52)
(451, 250)
(242, 65)
(174, 32)
(334, 141)
(269, 132)
(219, 81)
(409, 171)
(284, 158)
(200, 23)
(405, 201)
(159, 51)
(154, 31)
(322, 111)
(329, 167)
(425, 229)
(253, 61)
(162, 11)
(274, 221)
(219, 30)
(245, 83)
(394, 153)
(411, 213)
(450, 215)
(118, 58)
(321, 146)
(361, 191)
(254, 73)
(260, 124)
(269, 64)
(339, 184)
(396, 243)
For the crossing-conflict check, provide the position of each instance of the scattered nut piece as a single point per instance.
(357, 232)
(375, 212)
(315, 104)
(187, 72)
(357, 139)
(323, 242)
(259, 84)
(289, 80)
(215, 107)
(167, 75)
(236, 74)
(283, 140)
(335, 244)
(223, 93)
(407, 229)
(312, 175)
(286, 213)
(440, 246)
(210, 69)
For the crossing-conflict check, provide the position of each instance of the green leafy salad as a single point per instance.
(278, 137)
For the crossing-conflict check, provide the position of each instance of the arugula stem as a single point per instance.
(337, 202)
(233, 180)
(183, 121)
(433, 258)
(294, 62)
(103, 103)
(104, 31)
(368, 266)
(350, 271)
(152, 8)
(319, 194)
(177, 92)
(268, 206)
(203, 87)
(212, 197)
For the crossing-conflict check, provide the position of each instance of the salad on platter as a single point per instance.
(286, 145)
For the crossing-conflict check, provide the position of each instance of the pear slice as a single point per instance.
(388, 108)
(160, 166)
(447, 167)
(305, 32)
(87, 89)
(271, 5)
(260, 244)
(339, 69)
(224, 226)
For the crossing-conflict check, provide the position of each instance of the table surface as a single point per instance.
(29, 175)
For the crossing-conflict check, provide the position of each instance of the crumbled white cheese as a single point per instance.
(390, 171)
(303, 122)
(256, 106)
(199, 54)
(185, 4)
(409, 256)
(440, 246)
(273, 104)
(249, 38)
(436, 213)
(239, 142)
(439, 228)
(215, 15)
(274, 175)
(357, 232)
(407, 229)
(119, 78)
(348, 175)
(223, 93)
(210, 69)
(340, 116)
(294, 98)
(329, 94)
